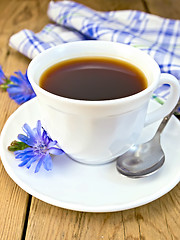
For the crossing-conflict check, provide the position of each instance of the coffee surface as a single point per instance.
(93, 78)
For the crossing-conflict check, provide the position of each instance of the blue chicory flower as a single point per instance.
(40, 150)
(20, 89)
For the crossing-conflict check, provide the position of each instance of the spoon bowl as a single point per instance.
(146, 158)
(138, 163)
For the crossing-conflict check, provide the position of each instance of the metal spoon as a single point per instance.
(146, 158)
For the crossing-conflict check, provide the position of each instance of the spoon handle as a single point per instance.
(166, 119)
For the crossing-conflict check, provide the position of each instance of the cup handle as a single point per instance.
(170, 103)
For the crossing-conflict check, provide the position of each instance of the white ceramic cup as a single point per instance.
(96, 132)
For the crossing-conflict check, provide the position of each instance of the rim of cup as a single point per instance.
(36, 61)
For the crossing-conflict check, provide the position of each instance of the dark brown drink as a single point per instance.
(93, 78)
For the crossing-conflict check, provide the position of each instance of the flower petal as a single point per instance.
(20, 153)
(51, 144)
(30, 133)
(39, 164)
(32, 159)
(38, 128)
(23, 163)
(21, 76)
(2, 76)
(56, 151)
(47, 162)
(23, 138)
(21, 91)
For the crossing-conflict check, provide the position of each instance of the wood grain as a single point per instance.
(13, 205)
(164, 8)
(104, 5)
(158, 220)
(44, 219)
(15, 15)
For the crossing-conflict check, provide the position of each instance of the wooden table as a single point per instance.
(25, 217)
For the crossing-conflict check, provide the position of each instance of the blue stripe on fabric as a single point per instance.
(29, 43)
(137, 26)
(176, 35)
(158, 36)
(124, 32)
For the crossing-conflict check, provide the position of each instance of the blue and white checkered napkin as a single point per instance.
(159, 37)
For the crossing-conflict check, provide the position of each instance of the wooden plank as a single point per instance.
(49, 222)
(13, 200)
(157, 220)
(13, 205)
(110, 5)
(164, 8)
(15, 15)
(20, 14)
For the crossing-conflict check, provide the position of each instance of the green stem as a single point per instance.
(15, 146)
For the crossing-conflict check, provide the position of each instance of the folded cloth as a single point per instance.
(157, 36)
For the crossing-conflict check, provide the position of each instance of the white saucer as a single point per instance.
(87, 188)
